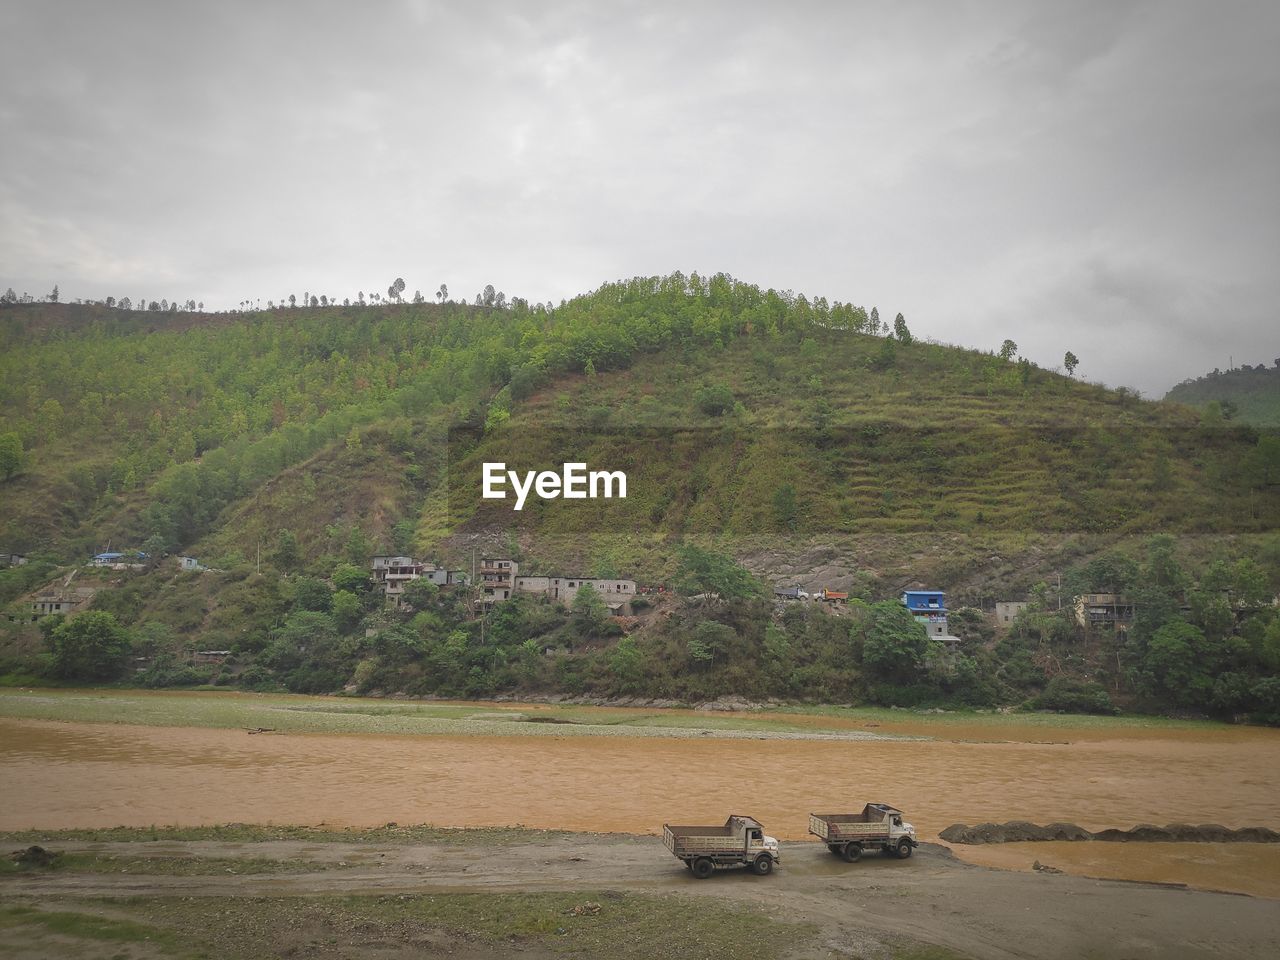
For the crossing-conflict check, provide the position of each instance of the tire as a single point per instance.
(852, 851)
(904, 849)
(702, 868)
(763, 865)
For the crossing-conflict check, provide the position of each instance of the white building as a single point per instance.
(616, 594)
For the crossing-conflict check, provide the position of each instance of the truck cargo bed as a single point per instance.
(871, 823)
(726, 839)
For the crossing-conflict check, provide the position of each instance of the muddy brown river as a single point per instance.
(57, 774)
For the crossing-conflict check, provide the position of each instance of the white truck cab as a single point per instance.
(757, 839)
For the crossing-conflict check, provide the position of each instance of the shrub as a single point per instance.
(257, 678)
(1074, 696)
(92, 646)
(715, 400)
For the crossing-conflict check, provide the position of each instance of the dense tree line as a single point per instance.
(1204, 645)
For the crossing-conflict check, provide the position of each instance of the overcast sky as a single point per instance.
(1100, 177)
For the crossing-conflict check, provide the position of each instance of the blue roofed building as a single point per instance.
(929, 607)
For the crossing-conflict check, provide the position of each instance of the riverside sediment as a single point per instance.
(1022, 831)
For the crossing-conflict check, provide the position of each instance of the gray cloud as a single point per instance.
(1089, 176)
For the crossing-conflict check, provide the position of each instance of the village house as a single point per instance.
(1102, 610)
(65, 602)
(500, 579)
(616, 594)
(929, 607)
(497, 579)
(210, 656)
(120, 561)
(1007, 611)
(391, 574)
(11, 560)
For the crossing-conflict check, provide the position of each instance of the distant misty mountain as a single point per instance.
(1247, 394)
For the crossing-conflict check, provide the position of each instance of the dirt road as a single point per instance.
(932, 897)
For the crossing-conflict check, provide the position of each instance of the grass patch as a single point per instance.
(82, 926)
(580, 924)
(20, 679)
(296, 713)
(995, 720)
(576, 924)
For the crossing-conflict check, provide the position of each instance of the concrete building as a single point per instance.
(62, 601)
(11, 560)
(1007, 611)
(391, 574)
(616, 594)
(446, 578)
(497, 579)
(929, 607)
(1103, 609)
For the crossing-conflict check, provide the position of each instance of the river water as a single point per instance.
(58, 774)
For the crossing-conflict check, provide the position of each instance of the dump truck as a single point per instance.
(741, 842)
(851, 834)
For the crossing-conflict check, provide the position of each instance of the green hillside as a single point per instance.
(740, 412)
(285, 447)
(1246, 394)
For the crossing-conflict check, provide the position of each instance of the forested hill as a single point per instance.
(1246, 394)
(806, 441)
(795, 417)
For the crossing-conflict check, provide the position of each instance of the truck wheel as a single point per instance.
(763, 865)
(852, 852)
(904, 849)
(702, 868)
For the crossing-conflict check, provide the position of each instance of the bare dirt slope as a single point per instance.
(859, 908)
